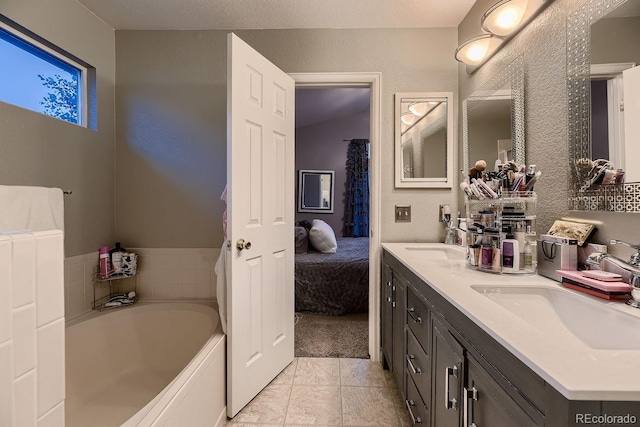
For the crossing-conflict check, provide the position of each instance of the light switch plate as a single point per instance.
(403, 213)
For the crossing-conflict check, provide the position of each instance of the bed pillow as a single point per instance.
(322, 237)
(302, 240)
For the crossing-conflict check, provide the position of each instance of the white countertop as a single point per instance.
(577, 371)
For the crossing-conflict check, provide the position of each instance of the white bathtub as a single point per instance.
(150, 364)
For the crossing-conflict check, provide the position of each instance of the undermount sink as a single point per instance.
(568, 315)
(437, 252)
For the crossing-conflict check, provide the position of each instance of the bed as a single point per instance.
(334, 284)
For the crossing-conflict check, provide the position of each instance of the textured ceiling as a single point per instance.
(277, 14)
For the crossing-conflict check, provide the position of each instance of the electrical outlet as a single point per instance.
(403, 213)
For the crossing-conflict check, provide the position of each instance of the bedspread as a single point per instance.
(334, 284)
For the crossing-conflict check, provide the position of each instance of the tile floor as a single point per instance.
(327, 392)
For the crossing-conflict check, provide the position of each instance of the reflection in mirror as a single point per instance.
(489, 127)
(493, 120)
(423, 140)
(315, 191)
(604, 87)
(614, 52)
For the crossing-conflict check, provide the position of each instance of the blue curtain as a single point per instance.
(356, 220)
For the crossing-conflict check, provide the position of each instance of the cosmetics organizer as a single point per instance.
(501, 234)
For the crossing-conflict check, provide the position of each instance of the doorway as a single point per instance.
(371, 81)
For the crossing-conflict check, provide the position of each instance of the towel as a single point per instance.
(221, 271)
(31, 208)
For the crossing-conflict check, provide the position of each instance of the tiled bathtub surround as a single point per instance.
(163, 273)
(32, 367)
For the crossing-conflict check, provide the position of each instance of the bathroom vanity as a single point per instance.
(470, 348)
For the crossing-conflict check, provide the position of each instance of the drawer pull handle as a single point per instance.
(410, 312)
(414, 420)
(449, 403)
(467, 412)
(410, 359)
(388, 299)
(389, 284)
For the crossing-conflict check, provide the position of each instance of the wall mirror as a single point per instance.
(424, 139)
(493, 120)
(602, 51)
(315, 191)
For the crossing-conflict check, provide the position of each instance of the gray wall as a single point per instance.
(171, 121)
(43, 151)
(320, 146)
(623, 33)
(543, 44)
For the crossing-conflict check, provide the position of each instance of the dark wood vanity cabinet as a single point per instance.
(448, 376)
(436, 366)
(393, 322)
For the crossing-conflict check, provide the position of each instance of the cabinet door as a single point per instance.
(387, 316)
(399, 340)
(486, 403)
(448, 369)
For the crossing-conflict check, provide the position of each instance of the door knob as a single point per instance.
(241, 244)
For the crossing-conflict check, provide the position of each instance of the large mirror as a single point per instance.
(493, 120)
(315, 191)
(424, 139)
(603, 84)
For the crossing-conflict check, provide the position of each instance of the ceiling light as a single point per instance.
(421, 108)
(504, 17)
(473, 51)
(408, 118)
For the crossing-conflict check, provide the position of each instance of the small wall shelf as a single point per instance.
(104, 289)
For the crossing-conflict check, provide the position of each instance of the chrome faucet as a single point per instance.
(635, 258)
(629, 270)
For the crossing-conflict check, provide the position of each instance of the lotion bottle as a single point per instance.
(116, 258)
(510, 254)
(496, 259)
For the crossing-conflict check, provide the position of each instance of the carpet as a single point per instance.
(332, 336)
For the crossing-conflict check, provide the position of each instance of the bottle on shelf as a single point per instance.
(104, 259)
(116, 258)
(510, 254)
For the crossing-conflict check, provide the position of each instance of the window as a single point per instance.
(40, 77)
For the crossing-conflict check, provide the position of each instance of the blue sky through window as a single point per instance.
(20, 65)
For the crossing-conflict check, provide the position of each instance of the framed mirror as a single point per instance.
(602, 54)
(493, 120)
(424, 139)
(315, 191)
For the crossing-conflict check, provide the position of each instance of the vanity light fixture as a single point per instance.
(473, 51)
(499, 24)
(422, 108)
(504, 17)
(408, 118)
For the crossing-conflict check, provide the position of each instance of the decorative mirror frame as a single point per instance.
(302, 173)
(616, 198)
(513, 74)
(439, 182)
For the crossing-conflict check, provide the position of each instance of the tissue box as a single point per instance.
(554, 256)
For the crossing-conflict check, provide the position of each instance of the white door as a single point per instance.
(260, 179)
(631, 83)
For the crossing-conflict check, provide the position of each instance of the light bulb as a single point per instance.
(421, 108)
(504, 17)
(473, 51)
(408, 119)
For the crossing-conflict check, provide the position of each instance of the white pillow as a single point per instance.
(322, 237)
